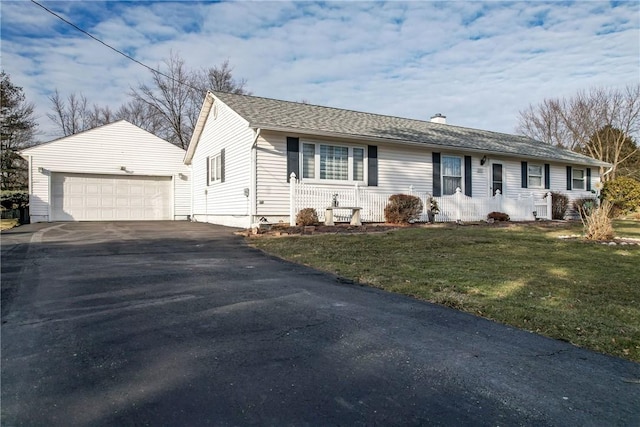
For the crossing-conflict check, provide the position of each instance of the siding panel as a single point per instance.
(223, 131)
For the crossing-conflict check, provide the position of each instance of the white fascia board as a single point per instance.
(209, 99)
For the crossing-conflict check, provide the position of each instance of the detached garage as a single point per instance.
(116, 172)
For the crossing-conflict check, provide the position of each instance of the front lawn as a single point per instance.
(523, 275)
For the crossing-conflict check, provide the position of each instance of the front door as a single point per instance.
(496, 178)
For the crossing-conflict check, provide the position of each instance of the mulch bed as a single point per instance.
(284, 229)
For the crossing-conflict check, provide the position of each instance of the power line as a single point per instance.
(109, 46)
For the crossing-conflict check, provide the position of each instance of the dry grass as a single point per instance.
(597, 222)
(6, 224)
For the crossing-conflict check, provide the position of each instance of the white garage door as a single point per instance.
(85, 197)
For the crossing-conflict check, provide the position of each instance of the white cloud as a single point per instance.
(479, 63)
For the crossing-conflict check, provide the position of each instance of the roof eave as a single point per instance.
(267, 127)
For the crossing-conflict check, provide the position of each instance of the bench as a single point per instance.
(355, 214)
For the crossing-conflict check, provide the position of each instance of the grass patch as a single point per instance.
(6, 224)
(581, 292)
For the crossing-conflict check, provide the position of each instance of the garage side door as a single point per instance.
(87, 197)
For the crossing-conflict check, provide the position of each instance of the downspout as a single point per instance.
(191, 217)
(30, 179)
(253, 199)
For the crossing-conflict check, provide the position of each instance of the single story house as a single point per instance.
(245, 151)
(113, 172)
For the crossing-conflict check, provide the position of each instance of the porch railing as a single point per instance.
(456, 207)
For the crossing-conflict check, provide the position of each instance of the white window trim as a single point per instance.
(442, 175)
(215, 168)
(529, 175)
(574, 179)
(317, 179)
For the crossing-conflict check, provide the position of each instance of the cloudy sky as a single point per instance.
(478, 63)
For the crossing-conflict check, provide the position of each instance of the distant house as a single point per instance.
(113, 172)
(245, 149)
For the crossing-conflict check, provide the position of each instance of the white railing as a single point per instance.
(456, 207)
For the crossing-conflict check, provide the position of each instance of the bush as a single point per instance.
(14, 199)
(585, 206)
(624, 195)
(307, 216)
(498, 216)
(402, 208)
(559, 205)
(597, 223)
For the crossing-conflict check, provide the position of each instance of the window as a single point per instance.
(358, 164)
(451, 174)
(535, 176)
(578, 179)
(332, 162)
(215, 168)
(308, 161)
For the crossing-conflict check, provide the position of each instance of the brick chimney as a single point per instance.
(439, 118)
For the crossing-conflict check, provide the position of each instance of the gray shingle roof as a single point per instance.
(269, 113)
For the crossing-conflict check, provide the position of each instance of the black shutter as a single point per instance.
(222, 165)
(547, 176)
(372, 162)
(208, 170)
(569, 177)
(293, 157)
(437, 186)
(588, 187)
(467, 176)
(524, 175)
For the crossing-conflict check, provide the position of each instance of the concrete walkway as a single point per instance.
(176, 323)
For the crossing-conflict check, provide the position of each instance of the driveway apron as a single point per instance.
(178, 323)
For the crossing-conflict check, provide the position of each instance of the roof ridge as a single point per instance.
(349, 110)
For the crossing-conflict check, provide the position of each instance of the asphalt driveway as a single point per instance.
(176, 323)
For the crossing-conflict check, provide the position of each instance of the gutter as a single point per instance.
(443, 147)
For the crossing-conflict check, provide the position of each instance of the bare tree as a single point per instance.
(142, 115)
(168, 106)
(583, 123)
(17, 131)
(170, 97)
(71, 115)
(219, 79)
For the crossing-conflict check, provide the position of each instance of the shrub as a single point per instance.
(597, 223)
(624, 195)
(585, 206)
(498, 216)
(402, 208)
(307, 216)
(14, 199)
(559, 205)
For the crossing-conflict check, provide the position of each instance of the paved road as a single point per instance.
(175, 323)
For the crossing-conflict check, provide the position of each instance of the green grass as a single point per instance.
(581, 292)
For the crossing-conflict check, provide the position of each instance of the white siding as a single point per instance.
(402, 166)
(558, 181)
(272, 189)
(105, 150)
(399, 167)
(223, 202)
